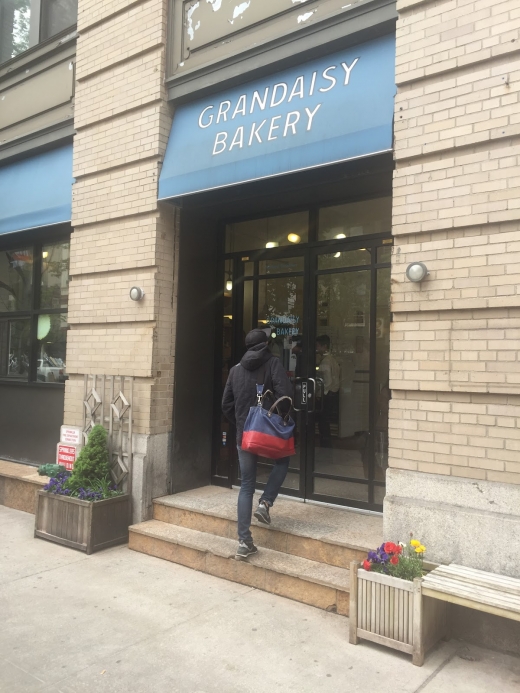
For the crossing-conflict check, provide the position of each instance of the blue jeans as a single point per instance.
(248, 463)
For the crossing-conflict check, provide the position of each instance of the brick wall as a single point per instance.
(455, 370)
(122, 236)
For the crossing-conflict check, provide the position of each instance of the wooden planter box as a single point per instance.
(394, 613)
(84, 525)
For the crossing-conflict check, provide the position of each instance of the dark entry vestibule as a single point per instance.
(316, 270)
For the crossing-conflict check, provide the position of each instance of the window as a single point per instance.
(34, 288)
(25, 23)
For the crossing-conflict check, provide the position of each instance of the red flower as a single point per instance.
(394, 560)
(390, 547)
(367, 565)
(399, 549)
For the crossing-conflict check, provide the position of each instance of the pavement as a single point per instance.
(123, 621)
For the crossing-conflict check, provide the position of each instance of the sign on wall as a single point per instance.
(66, 455)
(325, 111)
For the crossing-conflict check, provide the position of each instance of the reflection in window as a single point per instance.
(55, 275)
(355, 219)
(20, 28)
(15, 347)
(16, 270)
(52, 341)
(57, 15)
(269, 232)
(15, 22)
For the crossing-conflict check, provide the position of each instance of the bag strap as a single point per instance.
(275, 406)
(260, 386)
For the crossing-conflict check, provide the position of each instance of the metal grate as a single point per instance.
(107, 400)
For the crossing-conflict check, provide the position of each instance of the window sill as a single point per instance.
(37, 53)
(25, 383)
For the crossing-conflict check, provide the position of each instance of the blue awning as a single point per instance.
(36, 191)
(324, 111)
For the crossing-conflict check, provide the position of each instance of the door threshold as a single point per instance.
(360, 511)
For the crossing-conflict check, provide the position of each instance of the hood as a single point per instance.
(255, 357)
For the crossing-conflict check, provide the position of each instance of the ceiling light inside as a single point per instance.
(293, 238)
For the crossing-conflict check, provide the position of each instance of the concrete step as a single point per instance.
(310, 582)
(334, 536)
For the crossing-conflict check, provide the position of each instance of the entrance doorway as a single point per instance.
(320, 279)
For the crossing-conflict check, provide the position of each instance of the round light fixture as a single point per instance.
(337, 254)
(44, 326)
(293, 238)
(273, 335)
(340, 235)
(416, 271)
(271, 244)
(136, 293)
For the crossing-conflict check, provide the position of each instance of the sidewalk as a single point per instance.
(121, 621)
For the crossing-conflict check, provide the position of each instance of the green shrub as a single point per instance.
(93, 460)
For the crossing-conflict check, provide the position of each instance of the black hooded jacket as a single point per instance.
(240, 390)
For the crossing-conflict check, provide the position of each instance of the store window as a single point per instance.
(269, 232)
(355, 219)
(25, 23)
(34, 288)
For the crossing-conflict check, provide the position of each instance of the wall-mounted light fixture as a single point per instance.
(272, 244)
(229, 282)
(293, 238)
(136, 293)
(416, 272)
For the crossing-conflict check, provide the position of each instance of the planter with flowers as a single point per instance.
(83, 509)
(386, 604)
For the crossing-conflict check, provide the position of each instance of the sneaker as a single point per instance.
(262, 513)
(245, 550)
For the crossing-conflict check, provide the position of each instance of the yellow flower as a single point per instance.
(414, 542)
(420, 549)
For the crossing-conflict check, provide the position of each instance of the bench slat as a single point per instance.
(477, 593)
(479, 577)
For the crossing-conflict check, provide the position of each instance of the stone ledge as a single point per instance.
(459, 520)
(19, 486)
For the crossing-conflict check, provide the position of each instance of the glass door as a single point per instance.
(348, 432)
(273, 291)
(320, 279)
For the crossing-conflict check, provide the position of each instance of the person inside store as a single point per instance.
(258, 365)
(329, 372)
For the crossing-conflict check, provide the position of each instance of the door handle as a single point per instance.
(312, 396)
(304, 394)
(320, 393)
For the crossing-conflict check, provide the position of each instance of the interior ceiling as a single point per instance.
(367, 177)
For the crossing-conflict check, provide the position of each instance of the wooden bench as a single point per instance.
(474, 589)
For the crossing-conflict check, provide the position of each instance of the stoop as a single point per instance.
(303, 555)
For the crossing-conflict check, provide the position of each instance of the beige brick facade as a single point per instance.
(122, 237)
(455, 371)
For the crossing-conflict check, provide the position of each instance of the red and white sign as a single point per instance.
(66, 455)
(71, 435)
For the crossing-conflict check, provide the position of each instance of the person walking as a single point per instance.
(257, 366)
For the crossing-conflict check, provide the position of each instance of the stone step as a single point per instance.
(310, 582)
(328, 535)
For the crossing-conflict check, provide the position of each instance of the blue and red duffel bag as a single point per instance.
(268, 433)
